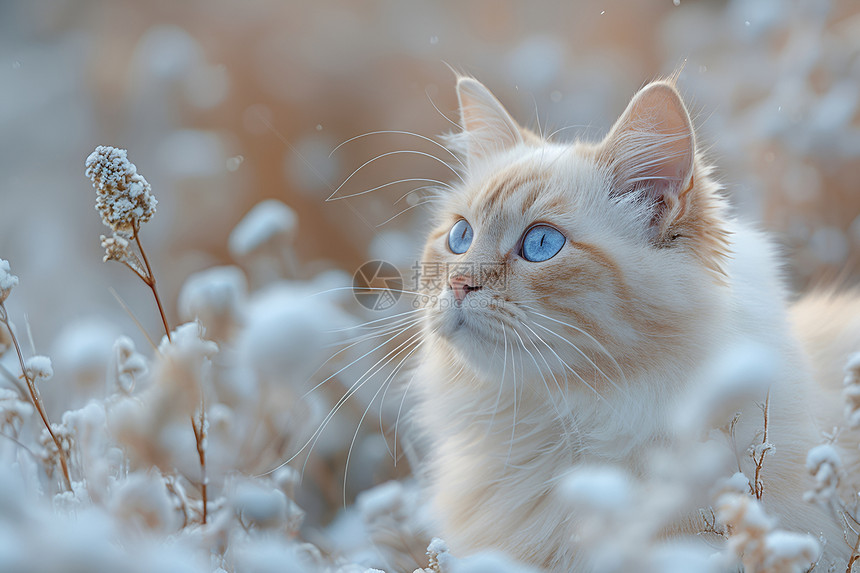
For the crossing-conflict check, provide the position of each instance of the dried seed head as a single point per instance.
(39, 368)
(7, 280)
(124, 197)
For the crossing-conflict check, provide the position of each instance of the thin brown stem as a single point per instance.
(35, 397)
(759, 463)
(199, 436)
(854, 555)
(151, 283)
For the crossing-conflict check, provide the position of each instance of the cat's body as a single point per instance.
(535, 367)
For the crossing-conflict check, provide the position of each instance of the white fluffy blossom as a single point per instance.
(7, 280)
(755, 540)
(851, 392)
(124, 197)
(127, 365)
(39, 368)
(13, 410)
(216, 297)
(824, 464)
(266, 222)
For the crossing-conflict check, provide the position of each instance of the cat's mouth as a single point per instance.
(470, 321)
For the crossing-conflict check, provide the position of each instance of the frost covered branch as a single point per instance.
(32, 368)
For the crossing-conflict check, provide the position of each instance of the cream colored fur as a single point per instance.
(654, 281)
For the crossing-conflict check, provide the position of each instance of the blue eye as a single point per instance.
(542, 243)
(460, 237)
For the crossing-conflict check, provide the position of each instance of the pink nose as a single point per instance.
(461, 286)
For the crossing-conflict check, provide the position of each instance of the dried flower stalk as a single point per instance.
(35, 397)
(124, 199)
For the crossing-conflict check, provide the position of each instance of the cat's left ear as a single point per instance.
(488, 127)
(651, 150)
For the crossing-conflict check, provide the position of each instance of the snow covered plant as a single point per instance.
(33, 369)
(124, 200)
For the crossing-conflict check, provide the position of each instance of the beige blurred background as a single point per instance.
(222, 104)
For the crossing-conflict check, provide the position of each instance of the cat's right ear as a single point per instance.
(488, 127)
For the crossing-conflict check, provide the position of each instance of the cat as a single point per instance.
(575, 292)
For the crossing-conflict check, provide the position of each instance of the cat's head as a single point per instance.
(589, 258)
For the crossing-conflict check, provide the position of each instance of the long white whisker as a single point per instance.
(448, 119)
(432, 196)
(584, 333)
(378, 332)
(558, 413)
(388, 380)
(356, 386)
(501, 382)
(399, 132)
(399, 332)
(387, 154)
(575, 347)
(419, 204)
(376, 320)
(389, 184)
(560, 390)
(403, 400)
(368, 288)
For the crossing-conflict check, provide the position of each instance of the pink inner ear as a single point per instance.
(652, 146)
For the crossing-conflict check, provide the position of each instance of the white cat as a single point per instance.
(576, 291)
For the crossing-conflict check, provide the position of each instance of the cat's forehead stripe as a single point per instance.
(503, 187)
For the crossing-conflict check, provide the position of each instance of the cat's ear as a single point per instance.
(651, 150)
(488, 127)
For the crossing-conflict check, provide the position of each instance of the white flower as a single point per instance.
(7, 280)
(127, 364)
(824, 464)
(216, 297)
(124, 197)
(851, 393)
(756, 541)
(267, 222)
(39, 368)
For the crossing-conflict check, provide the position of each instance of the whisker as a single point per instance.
(563, 394)
(400, 132)
(374, 321)
(448, 119)
(559, 414)
(356, 386)
(436, 183)
(399, 330)
(368, 288)
(404, 210)
(501, 382)
(584, 333)
(388, 380)
(309, 392)
(435, 196)
(387, 154)
(380, 331)
(575, 347)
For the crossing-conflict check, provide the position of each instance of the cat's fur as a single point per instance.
(655, 279)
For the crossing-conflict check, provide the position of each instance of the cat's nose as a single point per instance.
(461, 286)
